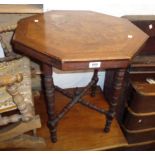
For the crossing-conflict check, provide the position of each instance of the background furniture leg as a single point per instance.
(49, 93)
(116, 92)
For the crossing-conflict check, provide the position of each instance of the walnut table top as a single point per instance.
(64, 38)
(74, 40)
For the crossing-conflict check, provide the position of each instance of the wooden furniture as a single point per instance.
(10, 14)
(16, 96)
(74, 40)
(144, 62)
(139, 115)
(138, 120)
(81, 129)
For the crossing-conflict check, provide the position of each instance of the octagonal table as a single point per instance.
(78, 40)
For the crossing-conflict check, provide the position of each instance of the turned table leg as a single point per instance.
(50, 99)
(94, 86)
(116, 92)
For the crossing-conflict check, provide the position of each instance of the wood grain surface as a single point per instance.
(141, 85)
(81, 128)
(71, 36)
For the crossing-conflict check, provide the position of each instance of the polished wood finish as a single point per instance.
(79, 36)
(144, 88)
(138, 121)
(73, 40)
(93, 140)
(147, 24)
(142, 93)
(77, 96)
(136, 136)
(143, 62)
(94, 86)
(80, 129)
(110, 78)
(82, 101)
(69, 66)
(116, 92)
(143, 22)
(142, 146)
(49, 91)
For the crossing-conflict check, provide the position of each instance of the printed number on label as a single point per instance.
(94, 64)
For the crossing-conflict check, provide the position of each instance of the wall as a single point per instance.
(112, 7)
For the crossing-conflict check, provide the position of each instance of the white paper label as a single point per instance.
(1, 51)
(150, 26)
(36, 20)
(94, 64)
(130, 36)
(150, 80)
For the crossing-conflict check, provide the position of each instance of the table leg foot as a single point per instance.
(106, 130)
(94, 86)
(109, 118)
(53, 135)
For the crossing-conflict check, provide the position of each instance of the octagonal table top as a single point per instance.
(72, 36)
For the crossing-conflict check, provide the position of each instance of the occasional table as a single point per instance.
(78, 40)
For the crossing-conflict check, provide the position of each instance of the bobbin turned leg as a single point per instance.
(50, 100)
(116, 92)
(94, 87)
